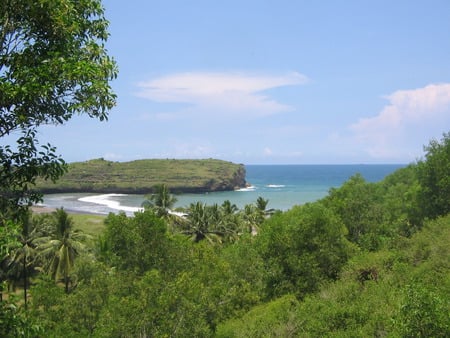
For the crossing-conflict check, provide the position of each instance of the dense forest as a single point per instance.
(369, 259)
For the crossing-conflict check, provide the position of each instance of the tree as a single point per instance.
(23, 257)
(53, 64)
(205, 222)
(252, 218)
(61, 247)
(161, 200)
(261, 205)
(228, 208)
(230, 221)
(302, 248)
(9, 234)
(434, 178)
(359, 205)
(400, 200)
(137, 243)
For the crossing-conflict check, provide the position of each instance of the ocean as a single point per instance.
(283, 185)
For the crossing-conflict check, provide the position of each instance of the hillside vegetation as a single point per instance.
(367, 260)
(141, 176)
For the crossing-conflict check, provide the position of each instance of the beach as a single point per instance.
(283, 185)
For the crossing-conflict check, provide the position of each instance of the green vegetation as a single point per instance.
(368, 260)
(90, 224)
(142, 176)
(53, 65)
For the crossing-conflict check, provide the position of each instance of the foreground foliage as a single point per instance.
(53, 65)
(408, 298)
(364, 261)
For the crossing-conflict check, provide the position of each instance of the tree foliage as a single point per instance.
(434, 178)
(60, 247)
(138, 243)
(53, 64)
(162, 201)
(303, 247)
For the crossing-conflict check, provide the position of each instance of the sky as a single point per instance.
(271, 82)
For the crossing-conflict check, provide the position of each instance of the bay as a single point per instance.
(283, 185)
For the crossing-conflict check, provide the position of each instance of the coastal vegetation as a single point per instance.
(141, 176)
(53, 66)
(369, 259)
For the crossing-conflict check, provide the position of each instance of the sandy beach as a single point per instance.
(40, 209)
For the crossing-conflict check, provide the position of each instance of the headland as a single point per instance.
(141, 176)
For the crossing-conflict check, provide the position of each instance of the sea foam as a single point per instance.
(110, 203)
(249, 188)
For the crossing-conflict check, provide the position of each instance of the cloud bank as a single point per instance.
(417, 114)
(221, 93)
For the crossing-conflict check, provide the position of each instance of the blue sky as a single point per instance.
(271, 82)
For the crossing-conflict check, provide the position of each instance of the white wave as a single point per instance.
(249, 188)
(275, 186)
(107, 201)
(176, 213)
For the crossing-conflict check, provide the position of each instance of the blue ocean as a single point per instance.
(283, 185)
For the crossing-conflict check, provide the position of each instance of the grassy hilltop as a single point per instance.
(141, 176)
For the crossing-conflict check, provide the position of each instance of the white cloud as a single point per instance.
(229, 93)
(411, 118)
(267, 151)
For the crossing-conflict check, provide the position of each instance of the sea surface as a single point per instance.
(283, 185)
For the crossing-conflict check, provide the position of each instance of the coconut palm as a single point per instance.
(201, 222)
(162, 201)
(261, 205)
(61, 247)
(213, 223)
(230, 221)
(252, 218)
(23, 256)
(228, 208)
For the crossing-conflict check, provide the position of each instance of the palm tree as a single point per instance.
(201, 223)
(61, 247)
(230, 220)
(213, 223)
(162, 201)
(261, 205)
(23, 257)
(255, 214)
(228, 208)
(252, 218)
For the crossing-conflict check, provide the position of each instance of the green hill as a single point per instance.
(141, 176)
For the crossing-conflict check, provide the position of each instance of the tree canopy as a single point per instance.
(53, 64)
(434, 178)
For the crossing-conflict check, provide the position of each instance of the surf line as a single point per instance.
(106, 201)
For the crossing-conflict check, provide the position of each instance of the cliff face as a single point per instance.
(139, 177)
(239, 178)
(233, 182)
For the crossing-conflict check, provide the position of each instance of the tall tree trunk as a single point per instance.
(25, 280)
(66, 282)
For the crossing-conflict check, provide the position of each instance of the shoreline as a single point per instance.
(42, 209)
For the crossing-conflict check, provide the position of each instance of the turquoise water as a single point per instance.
(283, 185)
